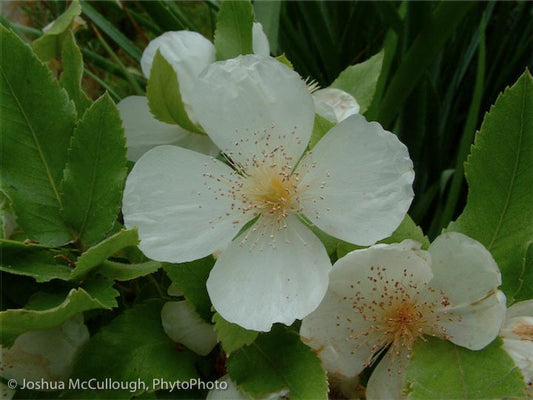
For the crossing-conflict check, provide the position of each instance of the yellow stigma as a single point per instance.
(270, 190)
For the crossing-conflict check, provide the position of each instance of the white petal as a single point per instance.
(334, 104)
(180, 208)
(521, 352)
(45, 354)
(260, 41)
(520, 309)
(360, 182)
(464, 270)
(183, 325)
(143, 131)
(252, 103)
(256, 282)
(475, 326)
(400, 262)
(332, 331)
(200, 143)
(188, 52)
(386, 381)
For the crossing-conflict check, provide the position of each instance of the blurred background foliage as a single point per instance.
(444, 65)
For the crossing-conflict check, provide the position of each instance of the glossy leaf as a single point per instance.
(499, 172)
(36, 122)
(190, 278)
(233, 35)
(275, 361)
(125, 272)
(232, 336)
(47, 310)
(135, 348)
(97, 254)
(440, 370)
(95, 172)
(164, 96)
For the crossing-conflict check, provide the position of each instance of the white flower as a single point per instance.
(387, 297)
(189, 53)
(183, 325)
(354, 185)
(45, 354)
(517, 335)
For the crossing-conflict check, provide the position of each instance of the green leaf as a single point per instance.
(125, 272)
(36, 122)
(164, 96)
(278, 360)
(440, 370)
(361, 80)
(268, 14)
(407, 230)
(118, 37)
(135, 348)
(499, 172)
(191, 278)
(284, 60)
(320, 128)
(47, 46)
(39, 262)
(49, 310)
(70, 78)
(95, 172)
(96, 255)
(233, 35)
(232, 336)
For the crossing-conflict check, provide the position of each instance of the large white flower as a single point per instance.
(386, 297)
(354, 185)
(189, 53)
(517, 335)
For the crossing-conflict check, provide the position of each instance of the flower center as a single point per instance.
(400, 310)
(271, 191)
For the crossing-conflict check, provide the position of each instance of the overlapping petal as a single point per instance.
(263, 278)
(181, 210)
(460, 261)
(143, 132)
(334, 104)
(387, 379)
(259, 40)
(252, 103)
(188, 52)
(359, 180)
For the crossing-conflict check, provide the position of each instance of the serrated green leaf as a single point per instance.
(48, 310)
(134, 347)
(164, 96)
(406, 230)
(499, 172)
(232, 336)
(97, 254)
(39, 262)
(36, 122)
(360, 80)
(47, 46)
(95, 172)
(191, 278)
(125, 272)
(233, 35)
(278, 360)
(320, 128)
(440, 370)
(70, 79)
